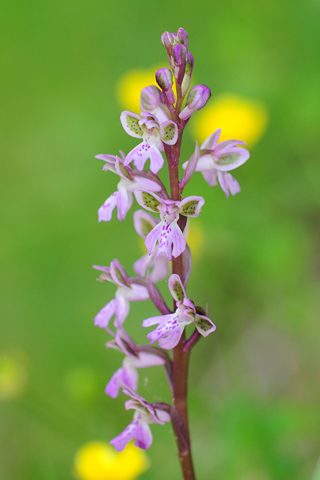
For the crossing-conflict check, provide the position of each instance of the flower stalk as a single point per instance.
(160, 127)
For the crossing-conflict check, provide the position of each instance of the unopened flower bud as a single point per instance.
(165, 81)
(197, 98)
(150, 98)
(188, 74)
(179, 56)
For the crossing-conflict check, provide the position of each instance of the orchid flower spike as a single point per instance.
(130, 180)
(153, 133)
(171, 326)
(167, 233)
(127, 375)
(217, 159)
(129, 290)
(145, 414)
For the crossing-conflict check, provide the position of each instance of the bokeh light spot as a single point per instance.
(238, 117)
(97, 460)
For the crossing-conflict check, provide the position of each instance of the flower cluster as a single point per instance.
(165, 112)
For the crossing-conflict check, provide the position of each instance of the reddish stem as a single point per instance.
(179, 412)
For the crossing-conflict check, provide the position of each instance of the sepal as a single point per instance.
(176, 288)
(130, 123)
(204, 325)
(191, 206)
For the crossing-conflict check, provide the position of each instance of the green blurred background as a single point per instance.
(254, 384)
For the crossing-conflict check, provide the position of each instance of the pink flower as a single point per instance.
(167, 232)
(145, 414)
(171, 326)
(217, 159)
(153, 134)
(130, 181)
(127, 375)
(129, 290)
(144, 224)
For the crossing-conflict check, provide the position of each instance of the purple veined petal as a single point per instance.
(143, 223)
(156, 159)
(124, 203)
(169, 132)
(139, 155)
(130, 123)
(122, 308)
(148, 200)
(177, 239)
(211, 177)
(143, 436)
(204, 325)
(167, 329)
(231, 159)
(191, 206)
(228, 182)
(171, 339)
(105, 211)
(102, 319)
(176, 288)
(152, 238)
(136, 293)
(149, 322)
(161, 269)
(121, 441)
(211, 141)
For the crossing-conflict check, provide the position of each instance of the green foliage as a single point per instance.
(254, 400)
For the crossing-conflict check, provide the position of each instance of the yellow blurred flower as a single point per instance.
(238, 117)
(97, 460)
(13, 376)
(196, 238)
(130, 85)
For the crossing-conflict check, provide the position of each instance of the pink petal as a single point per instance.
(211, 176)
(176, 288)
(124, 203)
(156, 159)
(105, 211)
(130, 123)
(211, 141)
(143, 436)
(102, 319)
(153, 237)
(121, 441)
